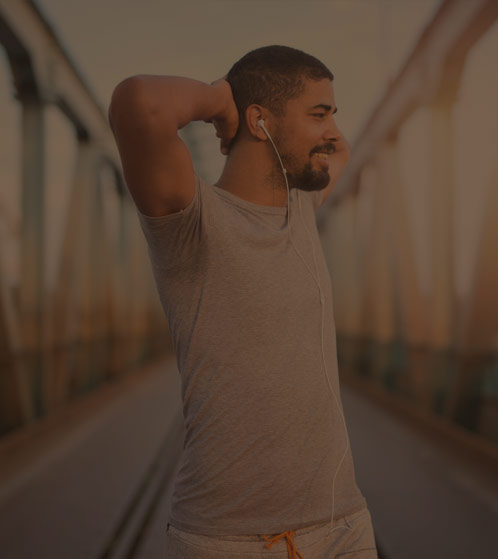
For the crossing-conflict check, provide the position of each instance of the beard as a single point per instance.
(308, 179)
(303, 177)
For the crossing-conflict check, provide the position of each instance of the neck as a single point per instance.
(253, 173)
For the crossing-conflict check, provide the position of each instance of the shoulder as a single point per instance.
(176, 237)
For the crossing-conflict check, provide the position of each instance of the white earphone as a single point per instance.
(261, 124)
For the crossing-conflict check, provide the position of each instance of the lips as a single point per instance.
(324, 153)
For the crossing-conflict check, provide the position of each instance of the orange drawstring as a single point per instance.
(291, 546)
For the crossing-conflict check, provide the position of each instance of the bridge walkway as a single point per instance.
(94, 481)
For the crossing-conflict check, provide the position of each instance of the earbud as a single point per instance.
(261, 124)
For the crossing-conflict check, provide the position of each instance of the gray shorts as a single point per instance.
(352, 537)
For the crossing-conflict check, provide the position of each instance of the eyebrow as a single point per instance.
(325, 107)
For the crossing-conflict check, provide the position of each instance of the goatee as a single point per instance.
(309, 179)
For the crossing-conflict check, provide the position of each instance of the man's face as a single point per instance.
(306, 130)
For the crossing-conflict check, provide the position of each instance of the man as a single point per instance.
(245, 288)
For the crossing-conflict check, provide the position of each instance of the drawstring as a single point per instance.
(291, 546)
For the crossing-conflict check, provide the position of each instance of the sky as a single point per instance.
(363, 42)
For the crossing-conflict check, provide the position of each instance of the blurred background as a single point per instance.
(90, 410)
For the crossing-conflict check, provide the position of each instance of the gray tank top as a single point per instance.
(264, 436)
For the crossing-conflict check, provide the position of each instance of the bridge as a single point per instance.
(90, 412)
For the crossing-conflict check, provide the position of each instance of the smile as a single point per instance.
(323, 158)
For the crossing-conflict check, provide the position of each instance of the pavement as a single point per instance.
(428, 496)
(95, 481)
(67, 483)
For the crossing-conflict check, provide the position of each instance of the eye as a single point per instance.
(321, 115)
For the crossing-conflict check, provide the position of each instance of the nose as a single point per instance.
(332, 132)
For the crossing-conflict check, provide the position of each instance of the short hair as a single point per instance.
(271, 76)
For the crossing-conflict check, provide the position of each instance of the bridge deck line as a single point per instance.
(428, 497)
(69, 488)
(69, 484)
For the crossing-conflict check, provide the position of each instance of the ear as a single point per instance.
(254, 113)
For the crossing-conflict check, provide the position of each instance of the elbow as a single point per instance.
(135, 100)
(127, 95)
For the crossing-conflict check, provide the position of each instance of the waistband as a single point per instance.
(294, 542)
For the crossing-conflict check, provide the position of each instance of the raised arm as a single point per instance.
(145, 115)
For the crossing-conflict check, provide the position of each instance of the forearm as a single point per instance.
(175, 101)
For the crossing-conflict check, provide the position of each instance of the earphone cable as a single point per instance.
(322, 301)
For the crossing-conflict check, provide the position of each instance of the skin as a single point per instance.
(252, 170)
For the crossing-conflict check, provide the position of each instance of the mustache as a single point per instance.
(329, 148)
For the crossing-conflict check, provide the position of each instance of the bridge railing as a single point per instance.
(410, 232)
(76, 317)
